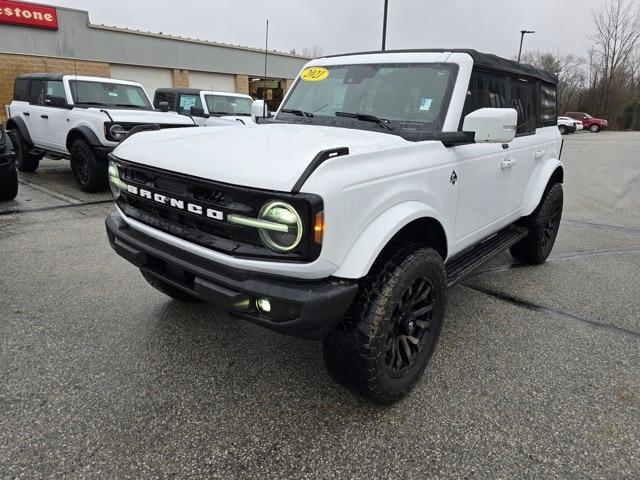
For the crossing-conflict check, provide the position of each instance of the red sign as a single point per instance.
(28, 15)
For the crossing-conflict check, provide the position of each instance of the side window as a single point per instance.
(21, 90)
(168, 97)
(486, 90)
(188, 101)
(55, 89)
(36, 92)
(548, 107)
(523, 99)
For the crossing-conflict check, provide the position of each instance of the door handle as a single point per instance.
(539, 154)
(44, 116)
(507, 163)
(26, 114)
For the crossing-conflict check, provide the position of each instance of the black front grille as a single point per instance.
(218, 197)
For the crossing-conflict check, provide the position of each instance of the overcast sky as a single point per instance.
(355, 25)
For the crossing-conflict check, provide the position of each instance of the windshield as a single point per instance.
(399, 98)
(226, 105)
(109, 94)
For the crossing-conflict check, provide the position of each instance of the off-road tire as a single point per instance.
(89, 173)
(169, 290)
(9, 185)
(25, 162)
(563, 130)
(357, 351)
(543, 225)
(594, 128)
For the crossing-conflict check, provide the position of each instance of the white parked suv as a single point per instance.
(208, 108)
(81, 118)
(384, 178)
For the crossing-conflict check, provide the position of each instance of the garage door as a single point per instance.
(212, 81)
(150, 78)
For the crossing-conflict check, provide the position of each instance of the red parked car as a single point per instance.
(590, 123)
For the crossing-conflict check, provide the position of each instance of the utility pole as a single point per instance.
(522, 34)
(384, 25)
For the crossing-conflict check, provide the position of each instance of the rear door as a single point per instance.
(54, 123)
(36, 112)
(519, 156)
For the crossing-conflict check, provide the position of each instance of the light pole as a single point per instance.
(522, 34)
(384, 25)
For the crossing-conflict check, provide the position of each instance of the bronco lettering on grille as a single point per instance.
(176, 203)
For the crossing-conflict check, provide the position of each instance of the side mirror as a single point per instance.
(163, 106)
(259, 110)
(197, 112)
(492, 125)
(53, 101)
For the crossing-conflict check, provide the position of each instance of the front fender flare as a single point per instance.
(17, 123)
(538, 184)
(377, 235)
(85, 132)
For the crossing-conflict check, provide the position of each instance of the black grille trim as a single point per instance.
(236, 240)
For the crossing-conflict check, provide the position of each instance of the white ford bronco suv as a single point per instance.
(81, 118)
(208, 108)
(383, 178)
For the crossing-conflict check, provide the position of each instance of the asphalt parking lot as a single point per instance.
(537, 373)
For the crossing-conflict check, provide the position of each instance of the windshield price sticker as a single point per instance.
(314, 74)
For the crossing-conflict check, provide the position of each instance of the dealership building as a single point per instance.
(38, 38)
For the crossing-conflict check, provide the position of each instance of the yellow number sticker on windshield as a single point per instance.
(314, 74)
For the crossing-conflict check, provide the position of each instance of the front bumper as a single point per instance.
(306, 309)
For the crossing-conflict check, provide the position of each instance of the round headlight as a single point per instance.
(115, 183)
(117, 132)
(284, 214)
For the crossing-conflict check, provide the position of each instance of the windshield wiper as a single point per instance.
(301, 113)
(90, 103)
(365, 118)
(128, 105)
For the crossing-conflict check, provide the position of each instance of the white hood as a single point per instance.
(148, 116)
(271, 157)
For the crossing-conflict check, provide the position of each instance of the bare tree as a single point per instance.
(313, 52)
(615, 42)
(570, 72)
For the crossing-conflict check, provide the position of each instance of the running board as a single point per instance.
(464, 263)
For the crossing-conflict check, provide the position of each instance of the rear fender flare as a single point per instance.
(17, 123)
(538, 185)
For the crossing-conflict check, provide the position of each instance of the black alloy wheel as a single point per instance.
(411, 330)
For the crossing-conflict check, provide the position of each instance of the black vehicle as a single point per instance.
(8, 172)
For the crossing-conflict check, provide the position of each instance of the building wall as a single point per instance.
(212, 81)
(78, 38)
(150, 78)
(13, 65)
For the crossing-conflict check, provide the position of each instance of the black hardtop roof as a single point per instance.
(179, 90)
(481, 60)
(41, 76)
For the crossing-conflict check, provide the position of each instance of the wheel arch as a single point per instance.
(551, 173)
(82, 133)
(412, 222)
(17, 123)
